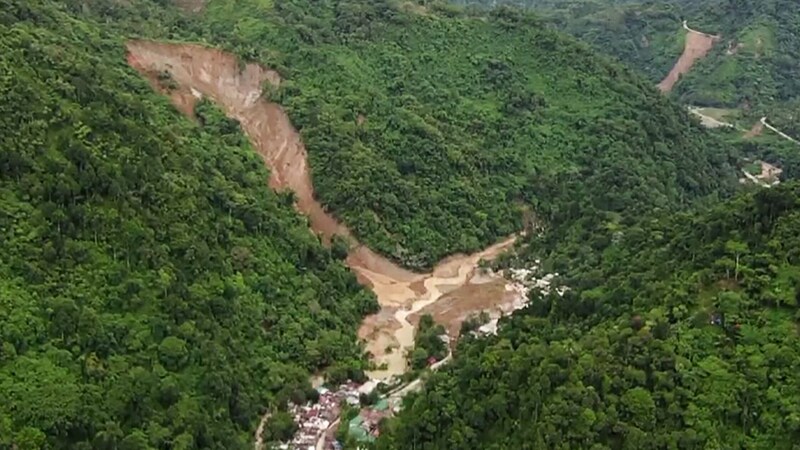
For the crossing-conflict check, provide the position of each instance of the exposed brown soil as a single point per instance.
(391, 328)
(696, 47)
(770, 173)
(456, 306)
(193, 6)
(379, 329)
(195, 70)
(217, 75)
(757, 129)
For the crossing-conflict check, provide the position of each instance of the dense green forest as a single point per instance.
(153, 292)
(755, 64)
(156, 294)
(431, 130)
(684, 336)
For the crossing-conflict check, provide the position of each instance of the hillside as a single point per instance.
(751, 66)
(432, 132)
(157, 294)
(684, 336)
(153, 292)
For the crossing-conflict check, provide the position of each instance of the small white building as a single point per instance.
(368, 387)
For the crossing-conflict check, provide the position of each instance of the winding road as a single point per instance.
(710, 36)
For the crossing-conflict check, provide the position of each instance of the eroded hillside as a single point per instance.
(189, 72)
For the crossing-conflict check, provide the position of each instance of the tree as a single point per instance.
(640, 408)
(173, 352)
(737, 249)
(280, 427)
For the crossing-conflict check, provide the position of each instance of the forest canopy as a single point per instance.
(153, 292)
(432, 131)
(754, 65)
(156, 294)
(684, 336)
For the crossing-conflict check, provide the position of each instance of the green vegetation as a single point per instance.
(153, 292)
(428, 343)
(774, 149)
(753, 66)
(432, 130)
(156, 294)
(280, 427)
(685, 335)
(753, 168)
(721, 114)
(430, 133)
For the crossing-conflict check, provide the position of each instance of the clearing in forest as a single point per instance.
(697, 46)
(192, 6)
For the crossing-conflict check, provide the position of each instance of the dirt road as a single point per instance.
(198, 71)
(780, 133)
(262, 424)
(697, 46)
(708, 121)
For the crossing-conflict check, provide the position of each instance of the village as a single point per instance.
(318, 422)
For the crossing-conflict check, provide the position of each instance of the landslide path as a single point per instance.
(196, 71)
(697, 46)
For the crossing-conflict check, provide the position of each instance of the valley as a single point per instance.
(229, 224)
(197, 71)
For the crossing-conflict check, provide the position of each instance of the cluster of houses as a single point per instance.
(315, 420)
(365, 427)
(523, 282)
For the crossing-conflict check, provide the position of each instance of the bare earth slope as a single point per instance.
(192, 6)
(200, 71)
(697, 46)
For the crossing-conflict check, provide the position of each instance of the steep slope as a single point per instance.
(685, 336)
(696, 47)
(754, 64)
(192, 71)
(493, 120)
(429, 135)
(157, 295)
(153, 292)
